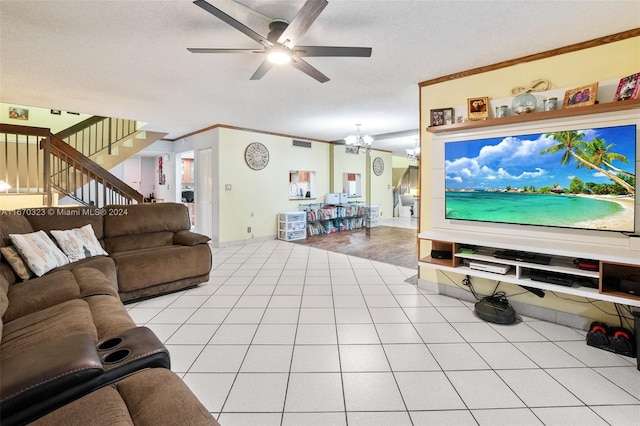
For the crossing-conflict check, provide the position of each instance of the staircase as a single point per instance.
(108, 141)
(41, 164)
(406, 182)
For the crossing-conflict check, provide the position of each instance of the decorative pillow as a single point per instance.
(39, 252)
(16, 262)
(79, 243)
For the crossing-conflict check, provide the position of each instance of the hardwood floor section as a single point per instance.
(398, 246)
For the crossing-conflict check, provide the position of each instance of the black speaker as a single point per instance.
(613, 339)
(441, 254)
(631, 287)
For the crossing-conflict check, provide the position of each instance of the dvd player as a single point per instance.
(522, 256)
(552, 277)
(490, 267)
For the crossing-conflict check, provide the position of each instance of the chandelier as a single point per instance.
(359, 141)
(414, 154)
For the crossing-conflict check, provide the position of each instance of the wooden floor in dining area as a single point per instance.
(398, 246)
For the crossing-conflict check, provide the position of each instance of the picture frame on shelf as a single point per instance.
(478, 108)
(628, 88)
(441, 116)
(580, 96)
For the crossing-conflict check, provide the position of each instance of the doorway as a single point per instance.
(187, 183)
(131, 173)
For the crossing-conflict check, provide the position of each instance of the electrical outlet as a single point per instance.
(248, 229)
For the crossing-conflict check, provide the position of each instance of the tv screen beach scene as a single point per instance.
(583, 179)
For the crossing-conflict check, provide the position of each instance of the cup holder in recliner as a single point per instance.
(110, 344)
(132, 350)
(116, 356)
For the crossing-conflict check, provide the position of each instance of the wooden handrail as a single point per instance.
(79, 126)
(25, 130)
(58, 146)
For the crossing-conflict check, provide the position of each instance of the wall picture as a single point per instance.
(18, 113)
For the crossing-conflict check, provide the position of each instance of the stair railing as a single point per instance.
(406, 182)
(23, 166)
(96, 134)
(32, 160)
(84, 180)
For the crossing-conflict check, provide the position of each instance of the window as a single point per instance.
(302, 184)
(352, 184)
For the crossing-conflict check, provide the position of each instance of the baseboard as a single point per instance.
(223, 244)
(526, 309)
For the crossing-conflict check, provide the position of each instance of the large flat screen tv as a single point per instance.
(583, 179)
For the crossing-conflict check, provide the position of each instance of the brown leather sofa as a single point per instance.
(69, 351)
(151, 244)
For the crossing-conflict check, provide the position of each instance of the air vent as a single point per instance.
(301, 144)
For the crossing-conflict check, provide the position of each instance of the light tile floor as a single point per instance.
(285, 334)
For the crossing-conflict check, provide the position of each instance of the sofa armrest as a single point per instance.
(48, 376)
(188, 238)
(30, 377)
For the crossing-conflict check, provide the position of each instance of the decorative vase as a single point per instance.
(523, 103)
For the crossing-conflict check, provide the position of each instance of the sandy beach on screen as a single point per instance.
(621, 221)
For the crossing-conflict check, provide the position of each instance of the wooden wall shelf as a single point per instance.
(537, 116)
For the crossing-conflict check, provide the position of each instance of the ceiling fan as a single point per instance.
(281, 43)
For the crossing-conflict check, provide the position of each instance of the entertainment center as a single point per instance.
(612, 269)
(616, 253)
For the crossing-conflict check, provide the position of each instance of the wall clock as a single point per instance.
(378, 166)
(256, 156)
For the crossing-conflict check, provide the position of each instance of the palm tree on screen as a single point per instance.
(600, 153)
(575, 148)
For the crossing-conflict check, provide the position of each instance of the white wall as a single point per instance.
(381, 186)
(41, 117)
(256, 196)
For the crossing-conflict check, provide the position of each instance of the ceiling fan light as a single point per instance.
(279, 56)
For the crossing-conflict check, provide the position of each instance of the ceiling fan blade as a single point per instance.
(301, 23)
(306, 68)
(250, 17)
(359, 52)
(262, 70)
(233, 22)
(209, 50)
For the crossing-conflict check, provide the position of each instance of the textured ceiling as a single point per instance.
(128, 59)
